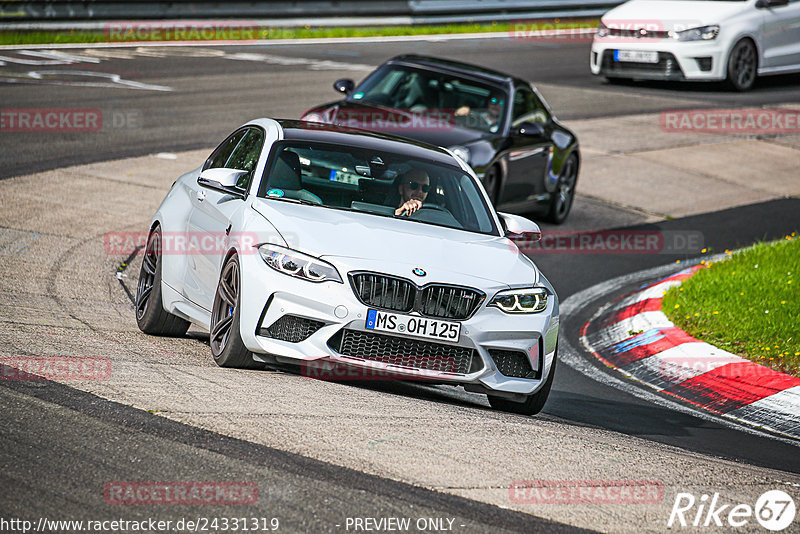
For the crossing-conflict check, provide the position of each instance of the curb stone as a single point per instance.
(636, 338)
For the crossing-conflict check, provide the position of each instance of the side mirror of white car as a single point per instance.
(516, 226)
(223, 180)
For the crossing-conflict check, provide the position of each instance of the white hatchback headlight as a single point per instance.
(532, 300)
(294, 263)
(705, 33)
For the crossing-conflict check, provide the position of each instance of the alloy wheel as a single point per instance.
(147, 275)
(225, 302)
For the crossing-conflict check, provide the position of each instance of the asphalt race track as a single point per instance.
(320, 452)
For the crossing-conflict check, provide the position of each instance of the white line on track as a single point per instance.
(569, 355)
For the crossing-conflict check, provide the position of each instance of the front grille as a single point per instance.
(432, 300)
(513, 363)
(291, 328)
(418, 354)
(638, 33)
(666, 68)
(447, 301)
(381, 291)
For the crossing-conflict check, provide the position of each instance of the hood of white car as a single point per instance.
(360, 241)
(672, 14)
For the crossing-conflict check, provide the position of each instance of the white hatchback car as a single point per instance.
(297, 243)
(698, 40)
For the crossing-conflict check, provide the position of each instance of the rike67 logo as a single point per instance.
(774, 510)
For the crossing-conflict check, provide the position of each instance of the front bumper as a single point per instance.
(329, 311)
(677, 60)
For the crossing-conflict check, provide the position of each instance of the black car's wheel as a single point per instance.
(564, 195)
(743, 65)
(225, 339)
(491, 182)
(151, 317)
(533, 404)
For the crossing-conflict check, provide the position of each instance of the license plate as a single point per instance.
(636, 56)
(410, 325)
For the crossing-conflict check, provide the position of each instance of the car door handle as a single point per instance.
(201, 196)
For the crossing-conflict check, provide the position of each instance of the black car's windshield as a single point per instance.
(378, 183)
(467, 103)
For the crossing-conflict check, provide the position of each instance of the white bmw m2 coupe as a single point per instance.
(299, 243)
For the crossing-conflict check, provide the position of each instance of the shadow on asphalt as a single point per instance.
(763, 84)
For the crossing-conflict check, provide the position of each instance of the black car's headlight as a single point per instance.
(704, 33)
(461, 152)
(294, 263)
(532, 300)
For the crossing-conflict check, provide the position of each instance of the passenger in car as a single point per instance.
(484, 119)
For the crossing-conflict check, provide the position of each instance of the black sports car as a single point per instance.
(497, 123)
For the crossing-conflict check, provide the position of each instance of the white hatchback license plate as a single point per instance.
(410, 325)
(636, 56)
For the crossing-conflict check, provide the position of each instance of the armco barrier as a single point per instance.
(416, 11)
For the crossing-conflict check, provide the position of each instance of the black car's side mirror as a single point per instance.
(764, 4)
(345, 85)
(530, 129)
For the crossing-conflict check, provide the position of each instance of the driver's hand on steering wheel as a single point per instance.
(408, 207)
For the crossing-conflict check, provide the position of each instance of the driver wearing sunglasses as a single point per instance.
(413, 189)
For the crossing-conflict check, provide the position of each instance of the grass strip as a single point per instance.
(172, 31)
(748, 304)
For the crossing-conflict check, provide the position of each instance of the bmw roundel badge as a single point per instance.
(419, 272)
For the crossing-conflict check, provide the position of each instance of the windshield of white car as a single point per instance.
(441, 99)
(377, 183)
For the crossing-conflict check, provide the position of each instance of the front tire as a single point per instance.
(742, 65)
(564, 195)
(225, 338)
(534, 403)
(151, 317)
(491, 182)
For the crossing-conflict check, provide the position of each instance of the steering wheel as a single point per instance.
(432, 206)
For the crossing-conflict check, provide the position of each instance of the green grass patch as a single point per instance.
(151, 33)
(748, 304)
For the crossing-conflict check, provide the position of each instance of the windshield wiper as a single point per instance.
(302, 201)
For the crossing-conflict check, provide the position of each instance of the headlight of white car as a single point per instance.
(461, 152)
(705, 33)
(532, 300)
(602, 30)
(294, 263)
